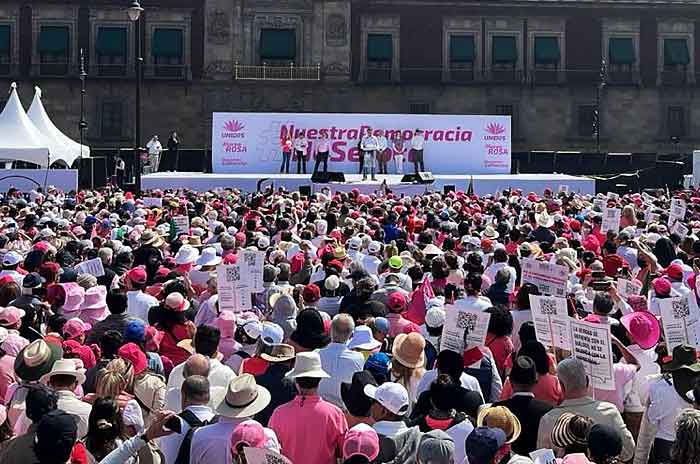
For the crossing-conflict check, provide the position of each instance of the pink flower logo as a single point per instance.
(233, 126)
(495, 129)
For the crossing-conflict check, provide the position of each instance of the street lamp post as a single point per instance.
(599, 88)
(134, 11)
(82, 125)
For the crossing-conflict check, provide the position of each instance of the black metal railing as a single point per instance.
(269, 72)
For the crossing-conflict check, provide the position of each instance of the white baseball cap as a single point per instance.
(374, 247)
(392, 396)
(272, 334)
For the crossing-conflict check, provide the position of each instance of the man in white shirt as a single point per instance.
(383, 144)
(338, 361)
(323, 147)
(65, 378)
(417, 149)
(195, 410)
(372, 261)
(369, 145)
(206, 343)
(138, 302)
(500, 261)
(301, 147)
(450, 363)
(154, 150)
(473, 300)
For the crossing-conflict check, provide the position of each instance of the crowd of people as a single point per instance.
(338, 359)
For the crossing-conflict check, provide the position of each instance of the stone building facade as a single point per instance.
(539, 61)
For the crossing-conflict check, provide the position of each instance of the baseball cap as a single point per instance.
(436, 447)
(272, 334)
(11, 258)
(57, 430)
(74, 328)
(396, 301)
(32, 280)
(396, 262)
(392, 396)
(137, 275)
(381, 324)
(361, 440)
(311, 293)
(435, 317)
(252, 328)
(249, 433)
(483, 443)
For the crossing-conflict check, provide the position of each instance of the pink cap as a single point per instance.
(250, 433)
(137, 275)
(132, 353)
(10, 316)
(74, 328)
(361, 440)
(661, 286)
(675, 271)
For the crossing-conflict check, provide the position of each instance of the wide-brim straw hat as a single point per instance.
(243, 398)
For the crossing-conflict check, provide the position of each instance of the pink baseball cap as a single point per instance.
(250, 433)
(10, 315)
(137, 275)
(74, 328)
(132, 353)
(361, 440)
(643, 327)
(661, 286)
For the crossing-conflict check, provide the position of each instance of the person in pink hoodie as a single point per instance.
(397, 323)
(226, 323)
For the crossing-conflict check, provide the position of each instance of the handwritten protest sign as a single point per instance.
(680, 317)
(153, 202)
(591, 343)
(251, 263)
(182, 224)
(677, 212)
(264, 456)
(549, 278)
(463, 328)
(551, 321)
(628, 288)
(92, 266)
(611, 220)
(234, 294)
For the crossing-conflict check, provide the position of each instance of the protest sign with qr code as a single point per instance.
(680, 318)
(549, 278)
(611, 220)
(234, 293)
(463, 328)
(251, 264)
(551, 317)
(677, 211)
(264, 456)
(591, 342)
(627, 288)
(182, 224)
(680, 229)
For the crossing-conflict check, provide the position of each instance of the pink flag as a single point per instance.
(419, 302)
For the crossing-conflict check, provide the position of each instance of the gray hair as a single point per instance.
(572, 374)
(342, 327)
(197, 364)
(196, 389)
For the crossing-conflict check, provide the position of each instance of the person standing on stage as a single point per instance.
(301, 147)
(119, 170)
(154, 150)
(361, 152)
(417, 150)
(287, 146)
(399, 147)
(382, 155)
(173, 147)
(369, 145)
(322, 150)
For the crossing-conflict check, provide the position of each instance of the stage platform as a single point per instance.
(483, 184)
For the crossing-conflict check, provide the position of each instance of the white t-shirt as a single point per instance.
(417, 142)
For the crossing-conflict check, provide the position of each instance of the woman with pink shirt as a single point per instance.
(547, 387)
(498, 337)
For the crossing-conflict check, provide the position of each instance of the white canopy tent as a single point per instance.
(20, 140)
(60, 145)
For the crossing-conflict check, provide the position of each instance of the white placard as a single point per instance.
(549, 278)
(153, 202)
(613, 196)
(234, 294)
(251, 263)
(463, 326)
(680, 318)
(264, 456)
(627, 288)
(182, 224)
(250, 142)
(599, 203)
(552, 320)
(611, 220)
(91, 266)
(677, 212)
(679, 228)
(592, 344)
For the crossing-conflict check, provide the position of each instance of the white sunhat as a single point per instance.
(363, 339)
(308, 364)
(392, 396)
(209, 257)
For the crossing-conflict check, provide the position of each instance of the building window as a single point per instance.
(380, 54)
(546, 57)
(110, 50)
(675, 121)
(621, 59)
(504, 57)
(676, 56)
(278, 46)
(419, 108)
(112, 119)
(586, 119)
(54, 50)
(462, 58)
(168, 52)
(5, 49)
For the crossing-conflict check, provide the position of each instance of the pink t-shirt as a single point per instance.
(624, 373)
(501, 348)
(547, 389)
(400, 325)
(7, 375)
(310, 423)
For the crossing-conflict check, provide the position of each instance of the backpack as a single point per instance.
(183, 454)
(484, 374)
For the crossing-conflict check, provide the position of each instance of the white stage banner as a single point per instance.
(250, 142)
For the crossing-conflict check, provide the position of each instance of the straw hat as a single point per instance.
(149, 237)
(409, 350)
(544, 219)
(571, 429)
(500, 417)
(489, 233)
(279, 353)
(244, 398)
(64, 367)
(36, 359)
(308, 364)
